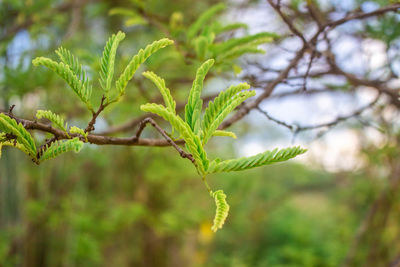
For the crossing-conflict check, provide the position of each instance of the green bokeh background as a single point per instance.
(144, 206)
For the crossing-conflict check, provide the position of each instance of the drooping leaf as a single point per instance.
(222, 210)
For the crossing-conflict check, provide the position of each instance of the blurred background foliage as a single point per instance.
(122, 206)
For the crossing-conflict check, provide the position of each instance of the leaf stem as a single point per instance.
(206, 184)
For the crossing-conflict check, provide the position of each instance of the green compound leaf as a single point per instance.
(194, 105)
(77, 130)
(239, 51)
(108, 61)
(81, 88)
(59, 147)
(73, 63)
(223, 100)
(10, 126)
(193, 142)
(54, 118)
(230, 27)
(165, 92)
(203, 19)
(201, 44)
(224, 133)
(266, 158)
(132, 17)
(222, 106)
(222, 209)
(136, 61)
(253, 40)
(4, 142)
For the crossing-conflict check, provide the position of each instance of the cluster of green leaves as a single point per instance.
(196, 130)
(206, 37)
(202, 36)
(14, 134)
(70, 70)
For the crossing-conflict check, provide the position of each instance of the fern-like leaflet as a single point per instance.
(222, 210)
(73, 63)
(77, 130)
(201, 45)
(81, 87)
(224, 133)
(261, 159)
(10, 126)
(56, 119)
(136, 61)
(248, 41)
(203, 19)
(59, 147)
(5, 142)
(107, 62)
(218, 29)
(165, 92)
(238, 51)
(222, 105)
(194, 105)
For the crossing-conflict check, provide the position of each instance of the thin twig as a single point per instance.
(10, 110)
(284, 124)
(287, 21)
(381, 11)
(165, 135)
(297, 128)
(270, 87)
(313, 53)
(92, 122)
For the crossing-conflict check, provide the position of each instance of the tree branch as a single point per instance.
(297, 128)
(287, 21)
(93, 138)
